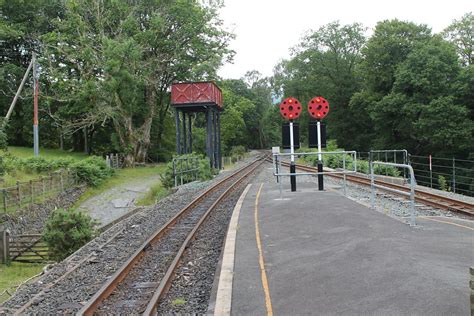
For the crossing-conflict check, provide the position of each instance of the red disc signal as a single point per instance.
(290, 108)
(318, 107)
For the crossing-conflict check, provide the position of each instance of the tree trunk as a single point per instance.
(144, 142)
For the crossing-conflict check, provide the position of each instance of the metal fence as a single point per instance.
(278, 157)
(29, 192)
(114, 161)
(411, 194)
(186, 169)
(449, 174)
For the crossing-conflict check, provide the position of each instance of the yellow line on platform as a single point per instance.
(268, 301)
(446, 222)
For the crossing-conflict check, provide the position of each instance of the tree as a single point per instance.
(325, 64)
(461, 34)
(390, 44)
(420, 114)
(115, 61)
(21, 25)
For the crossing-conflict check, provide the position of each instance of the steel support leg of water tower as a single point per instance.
(190, 135)
(178, 134)
(219, 140)
(185, 147)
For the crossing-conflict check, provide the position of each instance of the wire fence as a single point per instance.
(448, 174)
(27, 193)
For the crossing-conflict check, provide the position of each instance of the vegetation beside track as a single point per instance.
(14, 274)
(120, 177)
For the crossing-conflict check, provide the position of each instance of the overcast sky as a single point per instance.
(266, 29)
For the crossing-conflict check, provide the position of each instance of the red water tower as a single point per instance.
(189, 98)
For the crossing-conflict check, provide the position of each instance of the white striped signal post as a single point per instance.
(318, 108)
(290, 109)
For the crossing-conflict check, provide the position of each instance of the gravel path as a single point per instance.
(117, 201)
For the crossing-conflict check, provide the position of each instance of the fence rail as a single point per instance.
(28, 248)
(23, 248)
(457, 173)
(29, 192)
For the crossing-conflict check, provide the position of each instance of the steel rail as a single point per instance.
(427, 198)
(167, 279)
(93, 303)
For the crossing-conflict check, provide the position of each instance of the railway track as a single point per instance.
(142, 281)
(423, 197)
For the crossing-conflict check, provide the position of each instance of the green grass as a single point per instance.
(120, 177)
(11, 178)
(178, 302)
(156, 193)
(14, 274)
(26, 152)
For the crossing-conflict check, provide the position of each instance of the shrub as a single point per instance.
(204, 172)
(92, 170)
(335, 161)
(37, 164)
(237, 151)
(66, 231)
(443, 184)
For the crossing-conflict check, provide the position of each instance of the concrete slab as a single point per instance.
(326, 255)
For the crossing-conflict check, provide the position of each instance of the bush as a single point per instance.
(92, 170)
(9, 163)
(237, 151)
(37, 164)
(204, 172)
(335, 161)
(443, 184)
(66, 231)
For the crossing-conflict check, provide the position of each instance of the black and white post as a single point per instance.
(292, 164)
(320, 160)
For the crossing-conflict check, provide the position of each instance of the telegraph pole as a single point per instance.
(35, 105)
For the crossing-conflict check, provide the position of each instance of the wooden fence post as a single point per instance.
(4, 247)
(42, 184)
(50, 182)
(32, 192)
(18, 193)
(61, 180)
(4, 200)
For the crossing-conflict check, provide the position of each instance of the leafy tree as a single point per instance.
(21, 25)
(325, 64)
(390, 44)
(461, 33)
(115, 60)
(415, 114)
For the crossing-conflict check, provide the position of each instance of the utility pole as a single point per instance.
(35, 105)
(22, 84)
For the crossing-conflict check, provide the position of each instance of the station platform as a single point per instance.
(320, 253)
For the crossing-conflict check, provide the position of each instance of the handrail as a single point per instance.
(411, 195)
(277, 165)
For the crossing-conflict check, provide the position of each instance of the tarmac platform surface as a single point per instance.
(325, 254)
